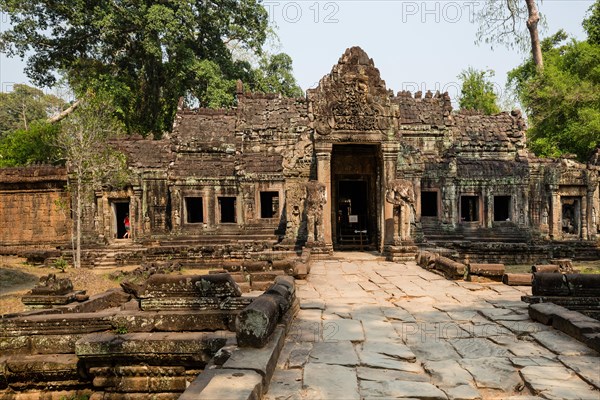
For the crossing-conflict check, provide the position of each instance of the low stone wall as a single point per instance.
(150, 339)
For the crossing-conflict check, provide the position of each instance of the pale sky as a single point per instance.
(417, 45)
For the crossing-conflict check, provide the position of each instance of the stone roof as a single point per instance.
(145, 153)
(501, 132)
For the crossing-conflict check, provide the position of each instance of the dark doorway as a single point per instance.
(194, 210)
(353, 213)
(269, 204)
(571, 215)
(469, 208)
(429, 204)
(501, 208)
(354, 170)
(227, 209)
(121, 211)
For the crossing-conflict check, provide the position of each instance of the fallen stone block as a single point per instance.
(450, 268)
(256, 266)
(545, 268)
(584, 285)
(258, 320)
(549, 284)
(492, 271)
(517, 279)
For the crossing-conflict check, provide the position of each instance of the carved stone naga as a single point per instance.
(401, 191)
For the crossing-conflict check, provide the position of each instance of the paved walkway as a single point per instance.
(368, 328)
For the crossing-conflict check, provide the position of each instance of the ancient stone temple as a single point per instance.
(351, 166)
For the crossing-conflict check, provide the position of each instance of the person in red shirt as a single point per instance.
(127, 226)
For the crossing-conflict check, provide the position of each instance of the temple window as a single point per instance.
(269, 204)
(227, 210)
(469, 208)
(194, 210)
(502, 208)
(429, 204)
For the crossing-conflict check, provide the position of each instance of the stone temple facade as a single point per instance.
(351, 166)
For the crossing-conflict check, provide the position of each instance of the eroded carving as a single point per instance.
(316, 197)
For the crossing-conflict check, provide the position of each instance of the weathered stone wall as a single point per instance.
(29, 206)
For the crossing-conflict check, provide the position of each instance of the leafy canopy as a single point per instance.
(563, 101)
(143, 54)
(29, 146)
(477, 92)
(25, 105)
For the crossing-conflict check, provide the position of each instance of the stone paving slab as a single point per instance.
(377, 329)
(322, 381)
(338, 353)
(557, 382)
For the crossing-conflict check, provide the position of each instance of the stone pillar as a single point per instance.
(488, 207)
(136, 214)
(591, 216)
(323, 153)
(389, 154)
(555, 213)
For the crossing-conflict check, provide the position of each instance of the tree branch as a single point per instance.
(63, 114)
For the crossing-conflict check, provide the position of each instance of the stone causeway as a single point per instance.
(369, 328)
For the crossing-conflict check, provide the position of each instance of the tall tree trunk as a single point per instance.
(532, 25)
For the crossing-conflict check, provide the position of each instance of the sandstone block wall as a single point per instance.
(29, 210)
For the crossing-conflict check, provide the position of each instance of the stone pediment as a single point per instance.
(351, 99)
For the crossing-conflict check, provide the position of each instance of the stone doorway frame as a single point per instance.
(114, 225)
(387, 158)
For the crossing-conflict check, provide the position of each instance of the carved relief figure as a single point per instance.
(316, 197)
(401, 191)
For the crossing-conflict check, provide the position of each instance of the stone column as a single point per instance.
(136, 215)
(389, 154)
(591, 216)
(488, 207)
(323, 153)
(555, 213)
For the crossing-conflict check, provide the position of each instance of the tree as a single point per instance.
(562, 101)
(143, 54)
(477, 92)
(592, 24)
(83, 142)
(25, 105)
(274, 75)
(502, 22)
(29, 146)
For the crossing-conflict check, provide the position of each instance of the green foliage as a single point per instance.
(25, 105)
(29, 146)
(563, 101)
(60, 264)
(121, 329)
(143, 54)
(274, 75)
(477, 92)
(592, 24)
